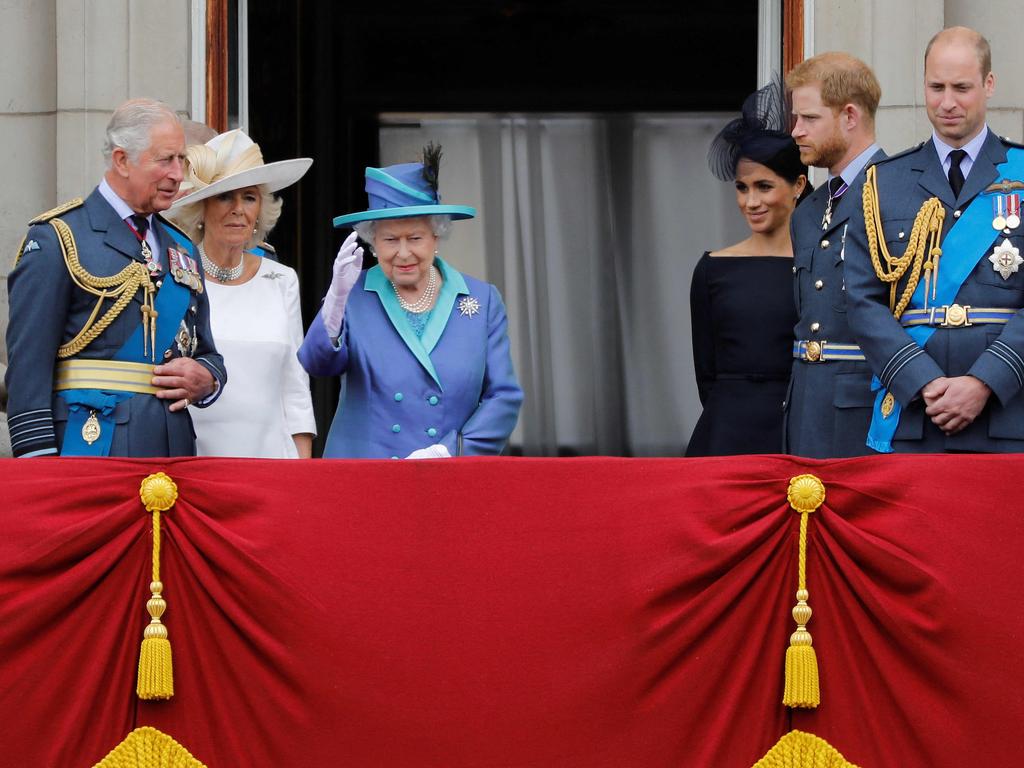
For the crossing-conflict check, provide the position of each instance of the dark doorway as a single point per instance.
(322, 72)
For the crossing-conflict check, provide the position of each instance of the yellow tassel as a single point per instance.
(801, 661)
(798, 749)
(147, 747)
(156, 672)
(806, 493)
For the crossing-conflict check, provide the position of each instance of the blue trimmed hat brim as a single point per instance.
(455, 211)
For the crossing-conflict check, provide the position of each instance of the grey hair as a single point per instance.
(130, 126)
(440, 225)
(190, 217)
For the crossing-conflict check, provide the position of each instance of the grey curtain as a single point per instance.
(590, 226)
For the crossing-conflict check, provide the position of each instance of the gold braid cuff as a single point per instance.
(121, 287)
(922, 251)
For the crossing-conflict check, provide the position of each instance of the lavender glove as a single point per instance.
(347, 266)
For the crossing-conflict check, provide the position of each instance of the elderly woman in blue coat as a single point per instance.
(422, 349)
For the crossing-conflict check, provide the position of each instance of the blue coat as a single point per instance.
(905, 181)
(828, 408)
(47, 310)
(401, 393)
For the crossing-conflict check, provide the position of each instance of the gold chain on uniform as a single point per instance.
(923, 242)
(120, 287)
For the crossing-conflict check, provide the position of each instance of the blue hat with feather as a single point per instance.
(405, 190)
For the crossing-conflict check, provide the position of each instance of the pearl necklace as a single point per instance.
(422, 304)
(223, 274)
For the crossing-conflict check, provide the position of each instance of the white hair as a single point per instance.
(130, 126)
(440, 225)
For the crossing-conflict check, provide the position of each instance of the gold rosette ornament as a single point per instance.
(806, 493)
(156, 674)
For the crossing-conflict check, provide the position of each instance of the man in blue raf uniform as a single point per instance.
(835, 97)
(935, 283)
(109, 334)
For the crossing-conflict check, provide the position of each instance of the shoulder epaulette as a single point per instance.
(898, 155)
(268, 247)
(53, 213)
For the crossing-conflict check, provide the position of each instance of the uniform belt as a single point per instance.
(956, 316)
(106, 375)
(825, 351)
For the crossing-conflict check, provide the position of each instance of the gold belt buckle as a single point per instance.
(956, 316)
(813, 353)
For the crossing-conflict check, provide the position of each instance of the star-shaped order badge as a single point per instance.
(468, 306)
(1006, 259)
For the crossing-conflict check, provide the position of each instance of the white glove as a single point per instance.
(435, 451)
(347, 266)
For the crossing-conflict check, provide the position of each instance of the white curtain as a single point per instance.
(590, 226)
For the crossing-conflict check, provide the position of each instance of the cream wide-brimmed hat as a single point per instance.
(232, 161)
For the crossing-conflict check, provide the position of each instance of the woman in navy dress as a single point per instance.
(741, 298)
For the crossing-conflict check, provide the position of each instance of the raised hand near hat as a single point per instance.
(347, 266)
(435, 451)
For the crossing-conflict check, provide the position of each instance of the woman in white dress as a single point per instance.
(267, 411)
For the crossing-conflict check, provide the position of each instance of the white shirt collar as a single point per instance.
(972, 148)
(855, 166)
(123, 209)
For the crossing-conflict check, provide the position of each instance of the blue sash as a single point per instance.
(960, 255)
(171, 304)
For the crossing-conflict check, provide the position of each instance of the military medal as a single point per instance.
(91, 429)
(183, 340)
(1006, 259)
(888, 404)
(1013, 211)
(998, 209)
(184, 270)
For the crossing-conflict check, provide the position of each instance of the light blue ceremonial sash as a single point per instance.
(960, 255)
(171, 303)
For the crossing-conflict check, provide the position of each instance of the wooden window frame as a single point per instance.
(217, 64)
(792, 33)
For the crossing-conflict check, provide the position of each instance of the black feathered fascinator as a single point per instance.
(760, 134)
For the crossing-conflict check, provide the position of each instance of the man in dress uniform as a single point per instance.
(109, 335)
(935, 283)
(834, 97)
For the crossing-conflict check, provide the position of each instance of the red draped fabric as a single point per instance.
(514, 612)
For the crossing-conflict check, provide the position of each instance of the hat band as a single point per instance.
(385, 181)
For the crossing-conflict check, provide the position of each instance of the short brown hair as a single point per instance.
(844, 79)
(981, 46)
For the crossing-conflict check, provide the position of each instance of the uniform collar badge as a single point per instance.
(468, 306)
(1006, 259)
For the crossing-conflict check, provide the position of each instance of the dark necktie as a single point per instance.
(956, 176)
(836, 188)
(141, 225)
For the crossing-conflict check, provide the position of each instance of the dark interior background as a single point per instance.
(321, 73)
